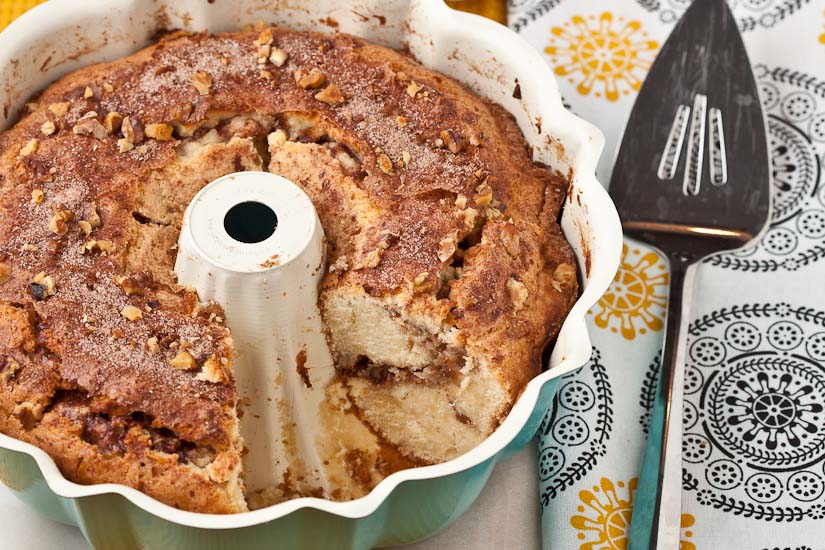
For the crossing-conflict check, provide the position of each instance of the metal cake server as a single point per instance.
(699, 101)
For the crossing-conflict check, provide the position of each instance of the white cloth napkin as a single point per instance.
(754, 440)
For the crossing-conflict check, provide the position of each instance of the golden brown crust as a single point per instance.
(427, 195)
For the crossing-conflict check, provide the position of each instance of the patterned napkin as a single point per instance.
(754, 443)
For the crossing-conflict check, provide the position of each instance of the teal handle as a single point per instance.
(644, 504)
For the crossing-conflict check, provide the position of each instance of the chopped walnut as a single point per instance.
(277, 138)
(88, 125)
(564, 276)
(58, 224)
(384, 163)
(474, 140)
(112, 122)
(278, 57)
(124, 145)
(48, 128)
(202, 82)
(405, 157)
(105, 246)
(5, 272)
(94, 218)
(461, 201)
(42, 286)
(421, 277)
(330, 95)
(439, 142)
(265, 38)
(340, 264)
(107, 87)
(37, 196)
(60, 109)
(484, 194)
(152, 345)
(127, 284)
(212, 371)
(412, 89)
(372, 258)
(517, 292)
(128, 131)
(312, 79)
(28, 413)
(85, 226)
(453, 141)
(183, 361)
(12, 366)
(131, 312)
(159, 131)
(30, 147)
(266, 75)
(88, 93)
(446, 248)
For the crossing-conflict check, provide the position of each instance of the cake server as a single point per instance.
(692, 178)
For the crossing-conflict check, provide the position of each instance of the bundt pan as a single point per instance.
(63, 35)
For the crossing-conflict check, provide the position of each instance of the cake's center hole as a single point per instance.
(250, 222)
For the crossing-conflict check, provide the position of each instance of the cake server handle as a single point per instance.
(657, 508)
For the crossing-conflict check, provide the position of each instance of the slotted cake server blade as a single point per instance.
(692, 178)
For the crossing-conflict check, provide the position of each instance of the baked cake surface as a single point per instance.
(448, 273)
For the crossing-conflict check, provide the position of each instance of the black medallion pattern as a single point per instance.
(647, 393)
(576, 428)
(523, 12)
(795, 106)
(754, 428)
(750, 14)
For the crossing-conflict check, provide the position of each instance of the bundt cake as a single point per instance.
(447, 273)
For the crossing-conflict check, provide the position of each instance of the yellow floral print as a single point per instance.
(611, 53)
(636, 300)
(604, 523)
(687, 522)
(603, 518)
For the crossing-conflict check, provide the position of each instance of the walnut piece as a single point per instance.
(42, 286)
(330, 95)
(517, 292)
(484, 194)
(278, 57)
(29, 148)
(446, 248)
(310, 80)
(131, 312)
(88, 93)
(453, 141)
(28, 413)
(12, 366)
(112, 122)
(58, 224)
(412, 89)
(159, 131)
(202, 82)
(60, 109)
(212, 371)
(37, 196)
(183, 361)
(152, 345)
(48, 128)
(88, 125)
(384, 163)
(564, 276)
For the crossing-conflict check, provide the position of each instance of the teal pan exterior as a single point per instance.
(415, 510)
